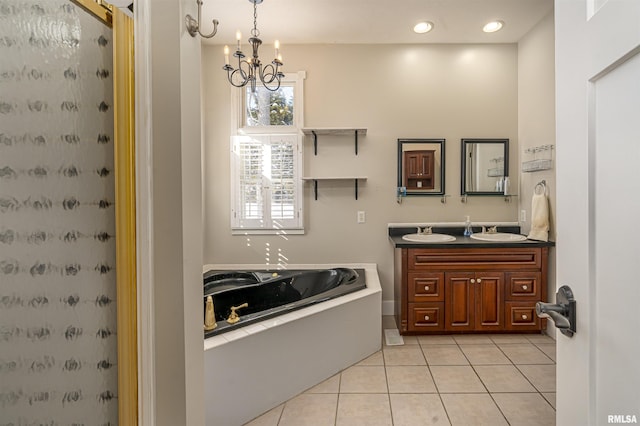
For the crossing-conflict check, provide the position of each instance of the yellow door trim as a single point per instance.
(126, 259)
(125, 203)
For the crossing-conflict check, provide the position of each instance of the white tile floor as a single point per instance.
(435, 380)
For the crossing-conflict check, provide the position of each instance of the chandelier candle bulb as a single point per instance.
(226, 55)
(277, 47)
(238, 39)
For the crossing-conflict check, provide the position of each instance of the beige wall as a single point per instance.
(536, 122)
(172, 215)
(536, 110)
(395, 91)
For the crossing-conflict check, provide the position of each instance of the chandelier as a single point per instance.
(249, 70)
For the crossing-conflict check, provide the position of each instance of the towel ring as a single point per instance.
(541, 187)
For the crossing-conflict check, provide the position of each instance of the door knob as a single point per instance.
(562, 313)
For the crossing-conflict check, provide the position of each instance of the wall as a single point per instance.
(536, 122)
(395, 91)
(171, 215)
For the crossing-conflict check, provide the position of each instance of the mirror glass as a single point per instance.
(485, 164)
(421, 166)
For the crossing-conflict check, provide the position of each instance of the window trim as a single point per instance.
(238, 128)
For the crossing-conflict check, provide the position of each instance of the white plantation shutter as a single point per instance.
(266, 185)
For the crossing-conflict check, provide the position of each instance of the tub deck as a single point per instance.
(255, 368)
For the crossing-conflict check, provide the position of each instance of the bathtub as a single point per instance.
(256, 367)
(272, 293)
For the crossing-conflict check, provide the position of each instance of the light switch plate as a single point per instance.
(361, 216)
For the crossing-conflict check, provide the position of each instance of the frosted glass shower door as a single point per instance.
(58, 326)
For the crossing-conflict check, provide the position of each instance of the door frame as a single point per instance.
(125, 203)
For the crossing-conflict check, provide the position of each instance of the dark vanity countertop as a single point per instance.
(395, 235)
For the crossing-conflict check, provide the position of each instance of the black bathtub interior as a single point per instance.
(272, 293)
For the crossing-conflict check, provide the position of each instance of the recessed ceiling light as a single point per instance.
(493, 26)
(423, 27)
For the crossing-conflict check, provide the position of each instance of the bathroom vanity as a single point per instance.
(469, 286)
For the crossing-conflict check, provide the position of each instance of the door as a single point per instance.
(598, 205)
(460, 301)
(67, 224)
(474, 301)
(489, 301)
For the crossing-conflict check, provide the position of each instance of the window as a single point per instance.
(267, 108)
(267, 182)
(266, 163)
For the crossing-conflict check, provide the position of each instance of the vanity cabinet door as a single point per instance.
(489, 301)
(474, 301)
(460, 301)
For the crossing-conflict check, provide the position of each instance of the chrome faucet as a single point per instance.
(490, 230)
(425, 231)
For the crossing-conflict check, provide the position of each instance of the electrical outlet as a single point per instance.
(361, 216)
(523, 215)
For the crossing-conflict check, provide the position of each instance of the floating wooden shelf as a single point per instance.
(333, 131)
(315, 180)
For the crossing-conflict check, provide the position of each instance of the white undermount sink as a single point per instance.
(428, 238)
(502, 237)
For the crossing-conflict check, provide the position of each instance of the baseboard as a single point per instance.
(388, 307)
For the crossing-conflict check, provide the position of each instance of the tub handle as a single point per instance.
(234, 318)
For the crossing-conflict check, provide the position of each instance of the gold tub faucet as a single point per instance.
(209, 315)
(234, 318)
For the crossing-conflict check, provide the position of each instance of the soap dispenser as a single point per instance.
(467, 227)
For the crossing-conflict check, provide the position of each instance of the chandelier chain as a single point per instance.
(255, 32)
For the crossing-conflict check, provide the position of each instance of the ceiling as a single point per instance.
(372, 21)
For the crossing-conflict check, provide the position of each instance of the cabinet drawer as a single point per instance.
(523, 285)
(521, 316)
(425, 287)
(426, 316)
(476, 259)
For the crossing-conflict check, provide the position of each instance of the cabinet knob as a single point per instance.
(426, 288)
(524, 316)
(427, 318)
(473, 281)
(479, 280)
(524, 286)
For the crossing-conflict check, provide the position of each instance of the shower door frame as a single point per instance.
(125, 202)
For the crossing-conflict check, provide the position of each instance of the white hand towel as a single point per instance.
(539, 218)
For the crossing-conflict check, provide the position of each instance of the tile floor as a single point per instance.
(434, 380)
